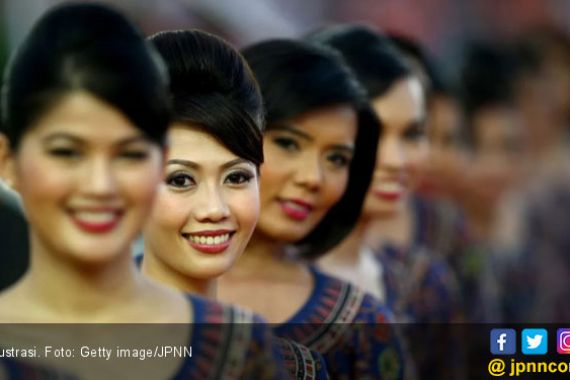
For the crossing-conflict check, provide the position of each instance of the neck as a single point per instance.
(347, 252)
(264, 257)
(74, 291)
(395, 228)
(156, 269)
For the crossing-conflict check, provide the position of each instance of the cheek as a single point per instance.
(170, 211)
(245, 207)
(334, 188)
(36, 180)
(272, 179)
(141, 184)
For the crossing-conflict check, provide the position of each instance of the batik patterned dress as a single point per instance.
(230, 343)
(349, 328)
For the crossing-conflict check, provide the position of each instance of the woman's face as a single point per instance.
(402, 147)
(206, 209)
(306, 170)
(87, 177)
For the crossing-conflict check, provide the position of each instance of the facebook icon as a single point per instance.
(503, 341)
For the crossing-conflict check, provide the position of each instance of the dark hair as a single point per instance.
(414, 51)
(213, 87)
(296, 77)
(487, 79)
(373, 58)
(85, 47)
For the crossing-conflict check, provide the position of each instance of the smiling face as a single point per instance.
(305, 171)
(87, 177)
(206, 209)
(401, 149)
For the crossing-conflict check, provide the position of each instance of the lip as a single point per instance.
(391, 196)
(389, 189)
(96, 227)
(296, 209)
(209, 248)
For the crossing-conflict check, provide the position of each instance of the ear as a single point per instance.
(7, 172)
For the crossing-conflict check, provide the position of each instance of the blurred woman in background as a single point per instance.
(319, 150)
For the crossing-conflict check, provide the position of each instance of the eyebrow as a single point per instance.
(291, 129)
(79, 140)
(194, 165)
(347, 148)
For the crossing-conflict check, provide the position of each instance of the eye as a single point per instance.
(239, 177)
(180, 180)
(339, 160)
(135, 155)
(287, 143)
(414, 133)
(64, 152)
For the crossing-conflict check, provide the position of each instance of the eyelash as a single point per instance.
(68, 153)
(239, 177)
(176, 176)
(135, 155)
(415, 133)
(64, 152)
(339, 160)
(236, 179)
(286, 143)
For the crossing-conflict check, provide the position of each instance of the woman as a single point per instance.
(83, 143)
(389, 217)
(385, 253)
(319, 133)
(208, 204)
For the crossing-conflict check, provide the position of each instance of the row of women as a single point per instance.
(263, 182)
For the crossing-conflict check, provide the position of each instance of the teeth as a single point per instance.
(209, 240)
(95, 217)
(296, 206)
(389, 187)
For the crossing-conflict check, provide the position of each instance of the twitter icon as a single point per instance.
(534, 341)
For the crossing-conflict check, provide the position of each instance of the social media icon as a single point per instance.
(563, 341)
(534, 341)
(503, 341)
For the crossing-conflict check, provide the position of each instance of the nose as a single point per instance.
(310, 173)
(100, 179)
(391, 154)
(210, 205)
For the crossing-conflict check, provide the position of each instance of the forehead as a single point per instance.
(496, 123)
(85, 117)
(403, 103)
(191, 142)
(337, 122)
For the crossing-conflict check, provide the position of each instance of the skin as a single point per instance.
(83, 166)
(206, 188)
(306, 162)
(496, 164)
(402, 149)
(442, 170)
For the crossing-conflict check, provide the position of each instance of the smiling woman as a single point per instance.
(208, 203)
(83, 142)
(319, 151)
